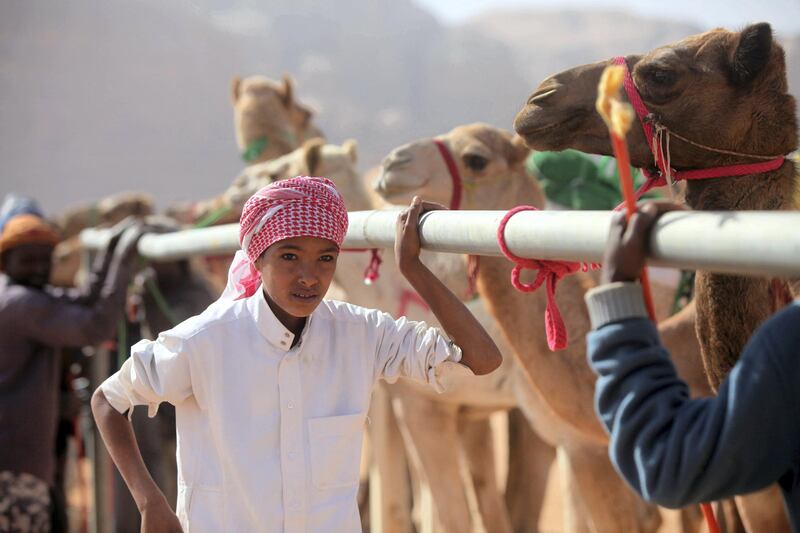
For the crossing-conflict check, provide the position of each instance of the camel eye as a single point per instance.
(475, 162)
(662, 77)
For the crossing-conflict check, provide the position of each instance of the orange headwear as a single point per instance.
(27, 229)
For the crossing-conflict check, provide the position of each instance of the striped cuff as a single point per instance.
(614, 302)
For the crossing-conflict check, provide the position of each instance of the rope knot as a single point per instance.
(372, 271)
(549, 273)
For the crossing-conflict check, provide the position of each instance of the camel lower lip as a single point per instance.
(527, 132)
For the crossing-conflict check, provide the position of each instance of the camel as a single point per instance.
(722, 97)
(269, 121)
(555, 390)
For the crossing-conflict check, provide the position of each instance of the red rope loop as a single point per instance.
(372, 272)
(549, 271)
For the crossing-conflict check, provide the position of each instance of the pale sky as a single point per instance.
(784, 15)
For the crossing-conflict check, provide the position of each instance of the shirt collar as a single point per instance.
(268, 324)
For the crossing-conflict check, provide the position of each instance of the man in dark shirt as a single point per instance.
(673, 450)
(34, 324)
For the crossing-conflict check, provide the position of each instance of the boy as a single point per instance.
(673, 450)
(271, 383)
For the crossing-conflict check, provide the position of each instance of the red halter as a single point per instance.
(662, 160)
(455, 200)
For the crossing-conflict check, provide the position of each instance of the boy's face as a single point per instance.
(28, 264)
(296, 273)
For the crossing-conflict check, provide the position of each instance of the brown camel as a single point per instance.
(554, 389)
(723, 97)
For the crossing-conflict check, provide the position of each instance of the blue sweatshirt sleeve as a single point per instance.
(675, 450)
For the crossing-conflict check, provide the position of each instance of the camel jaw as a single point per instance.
(546, 130)
(397, 189)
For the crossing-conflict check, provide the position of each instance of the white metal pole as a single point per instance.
(765, 243)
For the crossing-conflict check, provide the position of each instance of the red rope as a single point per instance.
(455, 200)
(549, 272)
(372, 272)
(410, 297)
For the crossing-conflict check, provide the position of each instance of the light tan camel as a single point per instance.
(724, 96)
(554, 389)
(268, 120)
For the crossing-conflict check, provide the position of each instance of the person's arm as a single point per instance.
(479, 351)
(156, 371)
(90, 290)
(673, 450)
(58, 322)
(117, 433)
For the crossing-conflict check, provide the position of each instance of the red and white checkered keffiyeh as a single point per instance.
(297, 207)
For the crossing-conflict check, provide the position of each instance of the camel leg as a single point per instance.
(574, 511)
(476, 438)
(389, 495)
(431, 436)
(610, 504)
(727, 516)
(763, 511)
(529, 460)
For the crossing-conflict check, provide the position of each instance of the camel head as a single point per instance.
(721, 89)
(269, 121)
(102, 214)
(315, 158)
(490, 163)
(105, 212)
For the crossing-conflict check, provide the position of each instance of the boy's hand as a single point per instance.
(629, 243)
(159, 518)
(407, 244)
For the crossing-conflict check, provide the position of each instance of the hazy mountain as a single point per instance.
(100, 96)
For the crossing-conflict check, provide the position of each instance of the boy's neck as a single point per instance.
(292, 323)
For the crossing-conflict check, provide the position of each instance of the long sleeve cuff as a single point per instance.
(614, 302)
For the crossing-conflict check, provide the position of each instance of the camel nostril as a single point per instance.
(396, 159)
(540, 96)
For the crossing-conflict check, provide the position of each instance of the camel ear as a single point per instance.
(287, 91)
(519, 151)
(752, 53)
(313, 154)
(350, 147)
(236, 89)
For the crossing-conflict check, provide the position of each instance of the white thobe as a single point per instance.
(269, 436)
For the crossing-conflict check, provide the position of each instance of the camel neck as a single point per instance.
(768, 191)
